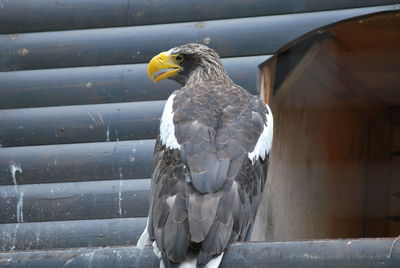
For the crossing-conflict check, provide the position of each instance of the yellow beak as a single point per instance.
(162, 66)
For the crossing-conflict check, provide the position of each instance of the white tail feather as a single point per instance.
(191, 263)
(156, 251)
(144, 239)
(214, 263)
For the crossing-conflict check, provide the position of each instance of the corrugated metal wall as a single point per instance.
(78, 115)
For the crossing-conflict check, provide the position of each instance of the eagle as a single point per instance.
(210, 160)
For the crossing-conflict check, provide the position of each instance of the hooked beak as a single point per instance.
(162, 66)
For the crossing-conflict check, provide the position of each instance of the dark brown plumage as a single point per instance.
(208, 172)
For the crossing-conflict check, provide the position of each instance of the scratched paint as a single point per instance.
(15, 236)
(116, 135)
(91, 258)
(132, 157)
(108, 133)
(120, 192)
(68, 262)
(23, 52)
(20, 208)
(97, 118)
(14, 167)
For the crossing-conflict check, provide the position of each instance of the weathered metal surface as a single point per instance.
(50, 15)
(76, 124)
(364, 253)
(126, 45)
(74, 201)
(76, 162)
(71, 234)
(104, 84)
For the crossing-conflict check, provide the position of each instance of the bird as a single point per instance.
(210, 160)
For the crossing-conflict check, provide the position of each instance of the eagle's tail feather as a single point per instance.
(191, 262)
(144, 239)
(214, 262)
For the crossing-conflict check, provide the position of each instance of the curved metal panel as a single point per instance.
(71, 234)
(74, 201)
(300, 254)
(19, 16)
(104, 84)
(78, 124)
(126, 45)
(76, 162)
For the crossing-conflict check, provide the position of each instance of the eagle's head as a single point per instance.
(187, 64)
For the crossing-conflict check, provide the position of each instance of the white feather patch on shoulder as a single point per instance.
(167, 128)
(264, 142)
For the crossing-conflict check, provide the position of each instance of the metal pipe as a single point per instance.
(363, 253)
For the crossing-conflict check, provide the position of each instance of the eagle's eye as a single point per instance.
(179, 58)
